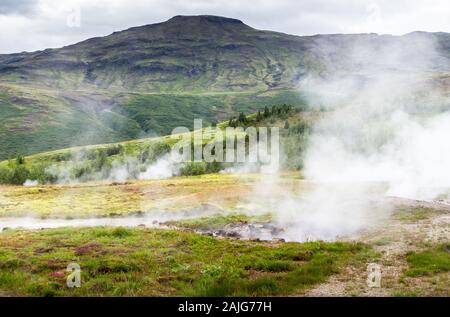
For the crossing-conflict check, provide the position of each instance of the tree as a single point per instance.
(274, 110)
(20, 160)
(242, 118)
(19, 175)
(258, 116)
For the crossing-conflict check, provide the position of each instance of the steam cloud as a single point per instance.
(385, 132)
(122, 169)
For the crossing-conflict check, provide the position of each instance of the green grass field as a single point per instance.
(144, 262)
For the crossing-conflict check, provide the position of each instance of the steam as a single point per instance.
(151, 220)
(121, 170)
(29, 182)
(247, 168)
(268, 162)
(385, 132)
(165, 167)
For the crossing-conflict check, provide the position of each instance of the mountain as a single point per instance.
(201, 53)
(147, 80)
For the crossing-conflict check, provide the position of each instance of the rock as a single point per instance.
(233, 234)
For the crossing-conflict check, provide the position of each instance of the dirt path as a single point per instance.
(393, 241)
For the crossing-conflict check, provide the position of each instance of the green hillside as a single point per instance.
(146, 80)
(131, 158)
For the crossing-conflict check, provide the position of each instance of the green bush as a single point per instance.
(200, 168)
(17, 175)
(114, 150)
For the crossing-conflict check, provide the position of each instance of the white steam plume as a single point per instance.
(386, 131)
(121, 170)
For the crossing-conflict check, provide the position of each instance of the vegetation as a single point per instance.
(138, 262)
(274, 113)
(130, 84)
(408, 214)
(98, 162)
(428, 262)
(89, 200)
(218, 222)
(162, 113)
(38, 121)
(135, 88)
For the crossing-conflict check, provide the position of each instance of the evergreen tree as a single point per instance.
(20, 160)
(258, 116)
(242, 118)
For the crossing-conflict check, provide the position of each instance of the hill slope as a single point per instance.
(203, 53)
(150, 79)
(148, 158)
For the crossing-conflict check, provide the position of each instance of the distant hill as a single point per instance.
(147, 80)
(128, 160)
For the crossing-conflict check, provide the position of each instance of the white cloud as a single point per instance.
(17, 6)
(38, 24)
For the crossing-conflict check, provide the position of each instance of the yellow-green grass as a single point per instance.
(222, 192)
(220, 221)
(407, 214)
(150, 262)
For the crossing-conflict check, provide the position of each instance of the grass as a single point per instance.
(139, 261)
(220, 192)
(429, 262)
(168, 111)
(220, 221)
(409, 214)
(100, 162)
(37, 120)
(97, 199)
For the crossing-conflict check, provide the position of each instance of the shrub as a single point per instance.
(19, 175)
(114, 150)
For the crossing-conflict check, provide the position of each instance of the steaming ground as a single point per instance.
(244, 206)
(387, 123)
(151, 220)
(253, 209)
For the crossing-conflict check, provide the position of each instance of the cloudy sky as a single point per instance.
(28, 25)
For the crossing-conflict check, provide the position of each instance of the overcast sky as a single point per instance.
(28, 25)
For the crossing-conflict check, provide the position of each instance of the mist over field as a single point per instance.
(201, 156)
(385, 133)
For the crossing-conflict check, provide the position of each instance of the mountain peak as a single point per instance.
(189, 26)
(204, 18)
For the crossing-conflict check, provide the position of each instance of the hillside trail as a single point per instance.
(394, 241)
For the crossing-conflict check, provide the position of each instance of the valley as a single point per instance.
(89, 169)
(176, 240)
